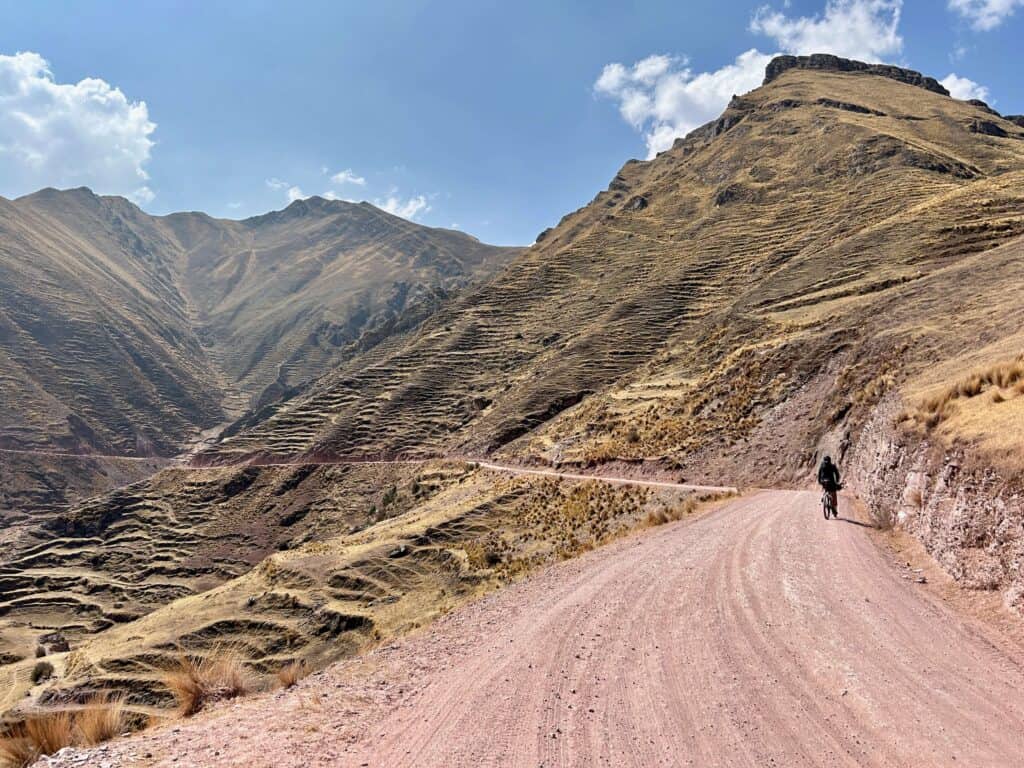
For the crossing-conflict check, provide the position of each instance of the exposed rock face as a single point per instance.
(988, 128)
(970, 519)
(827, 61)
(983, 106)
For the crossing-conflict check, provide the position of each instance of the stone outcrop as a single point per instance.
(969, 518)
(826, 61)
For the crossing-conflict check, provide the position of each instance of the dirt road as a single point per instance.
(756, 635)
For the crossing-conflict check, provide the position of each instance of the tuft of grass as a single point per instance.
(1002, 376)
(16, 751)
(290, 674)
(44, 734)
(195, 682)
(49, 733)
(688, 507)
(101, 720)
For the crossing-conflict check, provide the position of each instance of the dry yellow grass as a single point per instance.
(16, 751)
(195, 682)
(292, 673)
(671, 513)
(36, 736)
(995, 378)
(101, 720)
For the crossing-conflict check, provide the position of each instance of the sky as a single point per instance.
(496, 118)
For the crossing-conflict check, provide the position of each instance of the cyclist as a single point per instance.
(828, 478)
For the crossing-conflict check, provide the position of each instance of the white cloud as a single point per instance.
(866, 30)
(292, 191)
(676, 100)
(348, 176)
(963, 88)
(234, 206)
(985, 14)
(66, 135)
(663, 98)
(330, 194)
(407, 209)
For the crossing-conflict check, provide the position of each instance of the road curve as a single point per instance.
(758, 634)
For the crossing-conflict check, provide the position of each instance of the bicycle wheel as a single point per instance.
(825, 506)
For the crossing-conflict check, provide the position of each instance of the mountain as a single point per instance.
(699, 292)
(124, 334)
(832, 266)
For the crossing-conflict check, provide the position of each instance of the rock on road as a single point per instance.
(755, 635)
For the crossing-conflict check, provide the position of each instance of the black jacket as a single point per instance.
(828, 475)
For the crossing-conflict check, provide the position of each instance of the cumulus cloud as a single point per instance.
(410, 208)
(294, 192)
(663, 98)
(963, 88)
(985, 14)
(866, 30)
(70, 134)
(291, 191)
(330, 194)
(348, 176)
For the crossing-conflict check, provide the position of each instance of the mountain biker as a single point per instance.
(828, 478)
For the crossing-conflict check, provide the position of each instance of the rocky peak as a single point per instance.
(826, 61)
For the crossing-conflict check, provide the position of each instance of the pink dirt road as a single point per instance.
(756, 635)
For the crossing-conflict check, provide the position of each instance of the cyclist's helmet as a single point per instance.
(828, 459)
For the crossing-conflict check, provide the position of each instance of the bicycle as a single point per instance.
(828, 503)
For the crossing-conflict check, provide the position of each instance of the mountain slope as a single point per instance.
(125, 334)
(800, 276)
(286, 296)
(794, 197)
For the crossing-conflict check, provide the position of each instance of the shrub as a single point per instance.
(43, 670)
(40, 651)
(291, 673)
(197, 682)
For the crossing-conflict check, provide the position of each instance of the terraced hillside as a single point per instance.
(832, 265)
(635, 327)
(123, 334)
(365, 551)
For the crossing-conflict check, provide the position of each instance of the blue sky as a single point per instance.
(495, 117)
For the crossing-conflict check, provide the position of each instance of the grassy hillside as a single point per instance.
(125, 334)
(698, 293)
(841, 248)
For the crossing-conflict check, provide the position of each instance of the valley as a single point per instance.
(332, 427)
